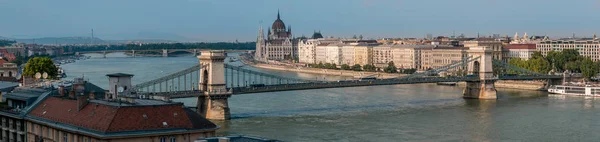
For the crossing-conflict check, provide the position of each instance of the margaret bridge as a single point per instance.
(217, 81)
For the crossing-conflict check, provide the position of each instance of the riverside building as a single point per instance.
(522, 51)
(587, 47)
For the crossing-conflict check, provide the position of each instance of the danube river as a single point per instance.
(420, 112)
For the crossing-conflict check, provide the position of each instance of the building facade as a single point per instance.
(278, 45)
(522, 51)
(363, 53)
(382, 55)
(436, 57)
(347, 55)
(586, 47)
(307, 48)
(407, 57)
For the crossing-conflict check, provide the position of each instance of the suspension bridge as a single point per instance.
(212, 82)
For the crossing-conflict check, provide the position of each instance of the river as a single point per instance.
(419, 112)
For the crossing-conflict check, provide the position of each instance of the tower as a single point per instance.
(484, 87)
(213, 104)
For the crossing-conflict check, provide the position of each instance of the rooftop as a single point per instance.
(106, 119)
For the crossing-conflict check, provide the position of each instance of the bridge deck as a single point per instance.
(355, 83)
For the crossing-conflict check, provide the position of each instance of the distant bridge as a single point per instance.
(217, 81)
(162, 52)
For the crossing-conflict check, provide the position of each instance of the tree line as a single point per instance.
(159, 46)
(391, 68)
(6, 42)
(559, 61)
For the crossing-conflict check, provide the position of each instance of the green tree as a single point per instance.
(357, 67)
(391, 68)
(369, 67)
(345, 67)
(41, 65)
(589, 68)
(320, 65)
(539, 65)
(409, 71)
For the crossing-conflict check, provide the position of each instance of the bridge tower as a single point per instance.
(213, 104)
(132, 53)
(165, 53)
(483, 88)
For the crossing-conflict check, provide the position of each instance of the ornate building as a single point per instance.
(278, 45)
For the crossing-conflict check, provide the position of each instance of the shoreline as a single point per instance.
(346, 73)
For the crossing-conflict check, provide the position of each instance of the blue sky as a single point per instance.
(228, 20)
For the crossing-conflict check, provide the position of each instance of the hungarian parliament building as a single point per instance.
(278, 45)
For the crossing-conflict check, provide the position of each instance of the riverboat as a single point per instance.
(587, 90)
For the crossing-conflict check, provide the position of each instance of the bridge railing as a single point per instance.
(172, 76)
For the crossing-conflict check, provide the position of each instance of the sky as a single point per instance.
(230, 20)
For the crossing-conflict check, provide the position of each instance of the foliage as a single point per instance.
(345, 67)
(357, 67)
(589, 68)
(564, 60)
(536, 64)
(409, 71)
(369, 67)
(41, 65)
(391, 68)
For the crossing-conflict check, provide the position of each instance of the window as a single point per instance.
(163, 139)
(173, 139)
(65, 138)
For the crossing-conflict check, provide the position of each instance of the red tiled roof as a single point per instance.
(107, 118)
(520, 46)
(10, 56)
(2, 61)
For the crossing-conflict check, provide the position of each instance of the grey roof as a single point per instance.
(24, 94)
(119, 75)
(6, 86)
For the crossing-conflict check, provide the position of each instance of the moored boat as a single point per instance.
(587, 90)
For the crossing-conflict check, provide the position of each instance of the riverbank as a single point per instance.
(318, 71)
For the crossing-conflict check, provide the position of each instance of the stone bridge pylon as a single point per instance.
(213, 104)
(483, 88)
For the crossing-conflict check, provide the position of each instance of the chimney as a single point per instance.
(61, 90)
(82, 100)
(107, 95)
(72, 94)
(92, 95)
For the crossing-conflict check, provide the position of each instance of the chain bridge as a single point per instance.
(212, 81)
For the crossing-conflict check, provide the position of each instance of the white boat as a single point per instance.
(587, 90)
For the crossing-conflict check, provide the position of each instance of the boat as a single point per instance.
(587, 90)
(447, 83)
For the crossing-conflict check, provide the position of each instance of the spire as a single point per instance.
(260, 33)
(525, 36)
(516, 36)
(278, 14)
(595, 37)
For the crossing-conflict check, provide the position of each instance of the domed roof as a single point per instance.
(278, 24)
(317, 35)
